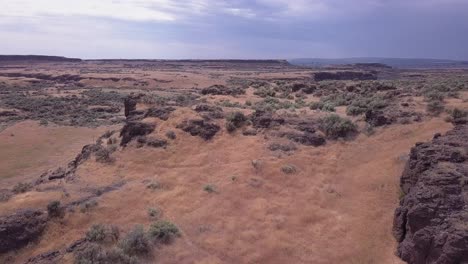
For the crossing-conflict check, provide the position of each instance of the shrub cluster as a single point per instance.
(335, 126)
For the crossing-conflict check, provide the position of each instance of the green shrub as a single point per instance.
(103, 155)
(101, 233)
(288, 169)
(355, 110)
(96, 233)
(335, 127)
(171, 135)
(458, 114)
(329, 107)
(235, 120)
(96, 254)
(22, 187)
(135, 242)
(209, 188)
(85, 207)
(154, 185)
(163, 231)
(154, 213)
(54, 209)
(435, 107)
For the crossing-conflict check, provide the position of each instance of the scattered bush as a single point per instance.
(435, 107)
(153, 185)
(288, 169)
(95, 254)
(54, 209)
(235, 120)
(335, 127)
(282, 147)
(101, 233)
(135, 242)
(104, 154)
(154, 213)
(85, 207)
(171, 135)
(156, 142)
(328, 107)
(97, 233)
(22, 187)
(209, 188)
(163, 231)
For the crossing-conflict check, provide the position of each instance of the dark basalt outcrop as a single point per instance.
(199, 128)
(132, 130)
(18, 229)
(431, 223)
(344, 75)
(130, 105)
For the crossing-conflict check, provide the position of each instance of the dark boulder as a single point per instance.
(430, 223)
(135, 129)
(18, 229)
(199, 127)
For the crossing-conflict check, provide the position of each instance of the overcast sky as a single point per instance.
(201, 29)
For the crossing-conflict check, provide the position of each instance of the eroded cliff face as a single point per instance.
(431, 224)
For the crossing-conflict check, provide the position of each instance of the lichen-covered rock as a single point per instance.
(431, 222)
(18, 229)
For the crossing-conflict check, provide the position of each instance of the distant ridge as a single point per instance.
(37, 58)
(402, 63)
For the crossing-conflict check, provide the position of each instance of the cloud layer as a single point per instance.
(235, 29)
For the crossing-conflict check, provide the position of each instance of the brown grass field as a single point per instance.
(336, 207)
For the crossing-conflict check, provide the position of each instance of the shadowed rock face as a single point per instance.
(431, 224)
(18, 229)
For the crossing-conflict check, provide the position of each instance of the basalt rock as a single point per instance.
(431, 222)
(130, 105)
(18, 229)
(199, 128)
(134, 129)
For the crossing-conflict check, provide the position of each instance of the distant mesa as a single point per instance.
(36, 58)
(401, 63)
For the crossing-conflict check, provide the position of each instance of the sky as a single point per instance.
(236, 29)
